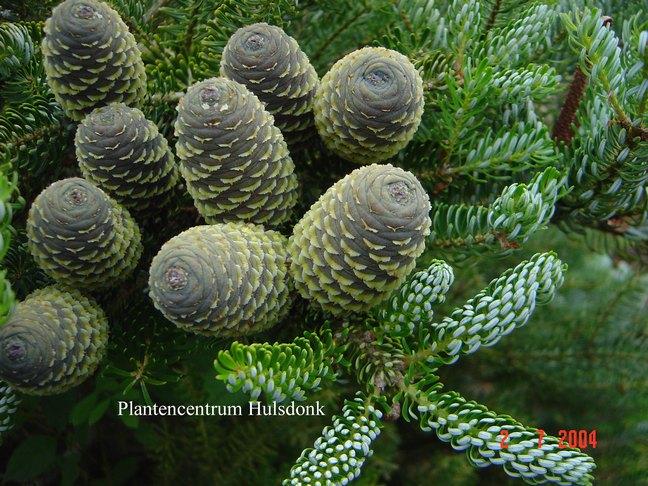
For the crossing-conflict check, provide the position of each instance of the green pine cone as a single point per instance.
(222, 280)
(369, 105)
(81, 237)
(271, 65)
(234, 160)
(90, 58)
(54, 341)
(360, 240)
(123, 153)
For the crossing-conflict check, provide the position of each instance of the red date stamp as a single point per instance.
(581, 439)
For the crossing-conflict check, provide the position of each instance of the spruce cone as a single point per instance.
(54, 341)
(234, 159)
(122, 152)
(359, 241)
(369, 105)
(225, 279)
(271, 65)
(81, 237)
(90, 58)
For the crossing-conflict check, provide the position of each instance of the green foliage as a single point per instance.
(412, 304)
(7, 207)
(519, 212)
(8, 404)
(494, 439)
(505, 304)
(33, 129)
(280, 371)
(340, 452)
(609, 161)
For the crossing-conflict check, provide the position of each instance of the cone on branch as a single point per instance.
(360, 240)
(53, 341)
(369, 105)
(122, 152)
(90, 58)
(81, 237)
(270, 64)
(234, 160)
(221, 280)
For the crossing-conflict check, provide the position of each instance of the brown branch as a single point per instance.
(493, 15)
(563, 131)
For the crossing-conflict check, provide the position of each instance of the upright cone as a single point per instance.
(122, 152)
(81, 237)
(234, 160)
(90, 58)
(222, 280)
(270, 64)
(360, 240)
(53, 341)
(369, 105)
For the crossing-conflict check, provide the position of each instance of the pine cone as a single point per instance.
(369, 105)
(271, 65)
(359, 241)
(234, 159)
(81, 237)
(90, 58)
(225, 279)
(54, 341)
(122, 152)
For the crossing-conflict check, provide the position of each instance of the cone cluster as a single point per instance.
(81, 237)
(122, 152)
(53, 341)
(359, 241)
(234, 160)
(90, 58)
(270, 64)
(225, 279)
(369, 105)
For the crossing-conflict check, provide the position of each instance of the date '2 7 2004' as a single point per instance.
(572, 438)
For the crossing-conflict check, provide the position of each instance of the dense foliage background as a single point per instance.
(497, 76)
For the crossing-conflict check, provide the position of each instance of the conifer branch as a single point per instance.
(495, 439)
(504, 305)
(513, 217)
(413, 303)
(8, 406)
(281, 371)
(339, 454)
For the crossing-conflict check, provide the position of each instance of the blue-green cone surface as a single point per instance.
(81, 237)
(123, 153)
(369, 105)
(53, 341)
(234, 160)
(90, 58)
(225, 279)
(270, 64)
(360, 240)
